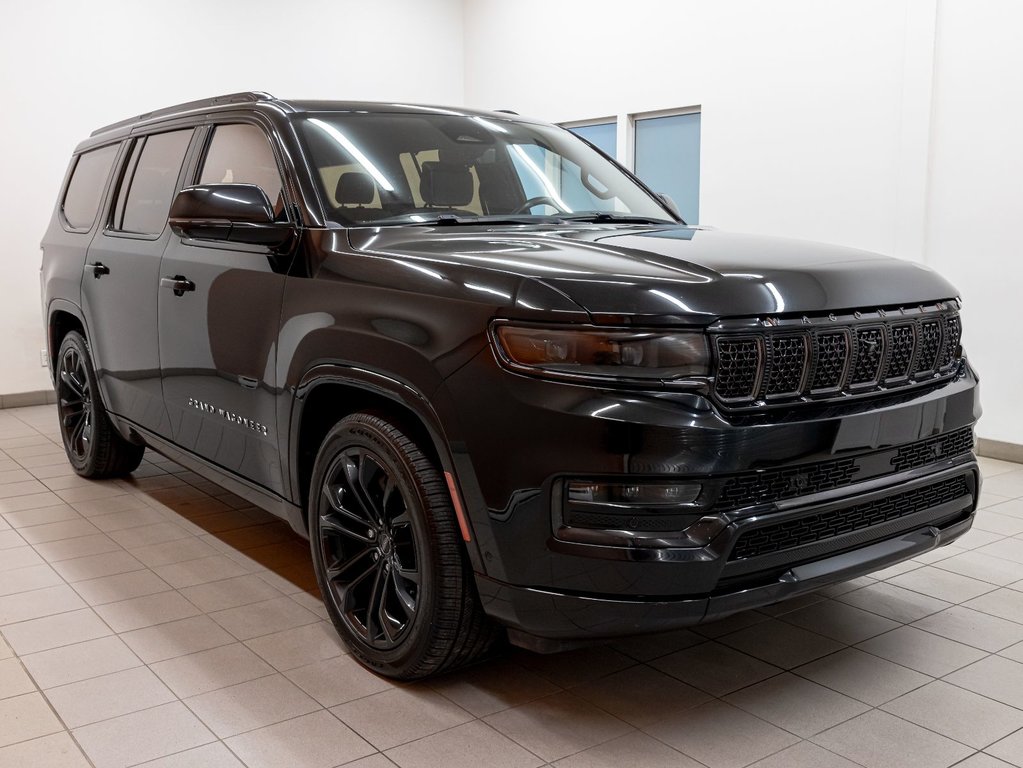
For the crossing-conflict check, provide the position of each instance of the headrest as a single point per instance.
(445, 184)
(354, 188)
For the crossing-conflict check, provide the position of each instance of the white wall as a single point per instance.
(890, 125)
(69, 67)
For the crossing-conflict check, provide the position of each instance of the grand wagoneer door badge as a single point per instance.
(230, 416)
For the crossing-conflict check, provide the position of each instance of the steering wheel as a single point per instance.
(535, 201)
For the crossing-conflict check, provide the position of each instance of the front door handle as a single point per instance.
(98, 269)
(179, 284)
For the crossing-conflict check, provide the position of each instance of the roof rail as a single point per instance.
(242, 97)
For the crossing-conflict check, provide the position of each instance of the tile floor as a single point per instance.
(160, 621)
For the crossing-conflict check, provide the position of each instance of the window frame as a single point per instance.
(104, 190)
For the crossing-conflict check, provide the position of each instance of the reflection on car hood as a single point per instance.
(672, 274)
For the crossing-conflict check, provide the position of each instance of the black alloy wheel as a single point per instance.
(93, 445)
(388, 554)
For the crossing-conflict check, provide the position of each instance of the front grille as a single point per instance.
(827, 525)
(772, 485)
(821, 358)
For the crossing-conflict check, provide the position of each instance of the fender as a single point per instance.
(68, 307)
(412, 400)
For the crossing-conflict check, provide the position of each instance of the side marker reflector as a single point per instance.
(456, 501)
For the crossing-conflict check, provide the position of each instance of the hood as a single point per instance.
(671, 274)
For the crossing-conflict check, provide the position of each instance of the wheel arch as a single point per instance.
(62, 317)
(328, 393)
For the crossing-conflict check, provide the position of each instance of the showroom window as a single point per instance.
(150, 182)
(667, 158)
(603, 135)
(81, 201)
(241, 154)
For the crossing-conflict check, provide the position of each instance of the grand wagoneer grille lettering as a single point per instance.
(821, 358)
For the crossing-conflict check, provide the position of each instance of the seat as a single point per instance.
(355, 188)
(446, 185)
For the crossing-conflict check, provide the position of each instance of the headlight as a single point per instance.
(611, 354)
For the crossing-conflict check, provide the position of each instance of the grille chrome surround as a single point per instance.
(820, 358)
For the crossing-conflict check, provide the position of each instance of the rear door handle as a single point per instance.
(98, 269)
(179, 284)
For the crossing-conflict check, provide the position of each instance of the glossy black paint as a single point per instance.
(233, 377)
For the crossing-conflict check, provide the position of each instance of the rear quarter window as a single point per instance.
(89, 177)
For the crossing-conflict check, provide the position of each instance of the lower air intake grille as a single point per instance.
(813, 528)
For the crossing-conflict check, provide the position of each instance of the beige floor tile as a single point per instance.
(200, 571)
(557, 726)
(142, 736)
(54, 631)
(26, 717)
(122, 586)
(1005, 603)
(5, 649)
(922, 651)
(400, 715)
(996, 677)
(22, 488)
(338, 680)
(14, 476)
(27, 579)
(41, 516)
(11, 539)
(977, 565)
(863, 676)
(19, 557)
(879, 740)
(945, 585)
(210, 670)
(839, 621)
(230, 593)
(97, 566)
(32, 501)
(981, 630)
(108, 696)
(177, 551)
(1007, 549)
(176, 638)
(148, 535)
(715, 668)
(491, 687)
(894, 602)
(80, 661)
(81, 546)
(317, 740)
(264, 618)
(91, 492)
(14, 680)
(632, 749)
(139, 612)
(962, 715)
(1010, 748)
(797, 705)
(804, 755)
(574, 667)
(56, 751)
(300, 646)
(37, 603)
(127, 519)
(781, 644)
(1008, 484)
(720, 735)
(100, 507)
(1004, 525)
(640, 695)
(257, 703)
(66, 529)
(214, 755)
(461, 747)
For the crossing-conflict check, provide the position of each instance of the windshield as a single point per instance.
(396, 168)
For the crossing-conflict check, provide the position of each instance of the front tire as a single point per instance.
(93, 445)
(388, 554)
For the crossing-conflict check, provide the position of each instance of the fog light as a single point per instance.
(645, 495)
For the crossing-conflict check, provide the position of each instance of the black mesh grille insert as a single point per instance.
(832, 353)
(901, 356)
(869, 354)
(788, 361)
(791, 360)
(804, 479)
(738, 367)
(813, 528)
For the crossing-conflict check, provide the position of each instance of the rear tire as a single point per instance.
(93, 445)
(388, 554)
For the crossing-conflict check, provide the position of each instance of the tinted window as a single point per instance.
(241, 154)
(153, 182)
(87, 180)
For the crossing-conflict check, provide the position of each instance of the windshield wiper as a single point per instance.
(602, 217)
(456, 220)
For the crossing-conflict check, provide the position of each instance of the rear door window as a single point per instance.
(81, 201)
(150, 182)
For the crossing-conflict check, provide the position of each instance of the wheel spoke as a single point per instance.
(335, 495)
(405, 600)
(375, 599)
(77, 443)
(335, 525)
(69, 380)
(407, 574)
(337, 571)
(352, 470)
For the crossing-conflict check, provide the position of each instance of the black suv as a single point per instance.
(494, 379)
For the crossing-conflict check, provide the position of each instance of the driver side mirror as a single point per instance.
(235, 213)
